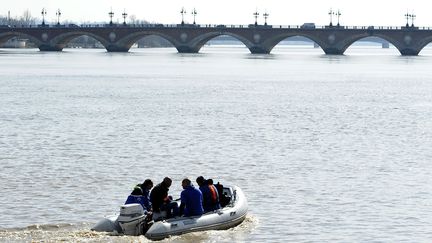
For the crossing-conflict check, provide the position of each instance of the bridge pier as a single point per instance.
(117, 48)
(186, 49)
(333, 51)
(45, 47)
(259, 50)
(409, 52)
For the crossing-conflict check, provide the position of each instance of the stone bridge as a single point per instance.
(190, 38)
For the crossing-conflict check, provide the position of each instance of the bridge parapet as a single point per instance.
(200, 26)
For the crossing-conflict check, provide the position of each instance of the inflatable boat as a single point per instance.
(133, 221)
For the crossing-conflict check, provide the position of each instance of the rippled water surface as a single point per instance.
(326, 148)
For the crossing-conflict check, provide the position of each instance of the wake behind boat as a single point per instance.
(132, 220)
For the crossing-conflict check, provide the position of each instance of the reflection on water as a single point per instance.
(326, 148)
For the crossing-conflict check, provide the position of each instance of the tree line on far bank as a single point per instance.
(26, 19)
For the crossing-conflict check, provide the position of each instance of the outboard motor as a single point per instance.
(131, 219)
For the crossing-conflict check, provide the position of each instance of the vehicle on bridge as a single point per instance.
(73, 26)
(308, 26)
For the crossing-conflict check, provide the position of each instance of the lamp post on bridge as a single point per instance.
(194, 13)
(124, 14)
(338, 14)
(266, 15)
(111, 15)
(256, 15)
(58, 14)
(407, 16)
(331, 13)
(183, 12)
(44, 12)
(413, 16)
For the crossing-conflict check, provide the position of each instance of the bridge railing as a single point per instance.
(348, 27)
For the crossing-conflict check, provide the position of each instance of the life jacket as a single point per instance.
(214, 193)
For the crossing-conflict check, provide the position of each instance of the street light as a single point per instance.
(407, 16)
(111, 15)
(44, 12)
(182, 12)
(331, 13)
(266, 15)
(194, 13)
(256, 15)
(124, 14)
(338, 14)
(58, 14)
(413, 16)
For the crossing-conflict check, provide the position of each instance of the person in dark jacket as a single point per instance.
(161, 201)
(191, 200)
(210, 195)
(223, 199)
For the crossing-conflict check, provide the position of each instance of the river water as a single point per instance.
(326, 148)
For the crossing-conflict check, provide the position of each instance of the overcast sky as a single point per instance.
(282, 12)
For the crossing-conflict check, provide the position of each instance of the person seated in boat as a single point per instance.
(223, 199)
(210, 194)
(146, 187)
(219, 192)
(191, 200)
(160, 200)
(137, 197)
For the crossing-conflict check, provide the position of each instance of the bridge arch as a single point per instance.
(201, 40)
(128, 41)
(60, 41)
(374, 41)
(347, 42)
(4, 37)
(153, 41)
(275, 40)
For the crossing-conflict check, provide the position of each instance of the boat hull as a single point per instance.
(228, 217)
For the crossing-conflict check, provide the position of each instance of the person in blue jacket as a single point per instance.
(191, 200)
(140, 195)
